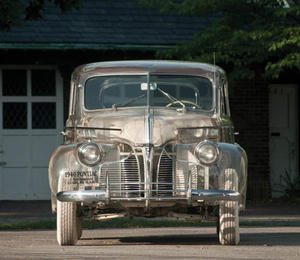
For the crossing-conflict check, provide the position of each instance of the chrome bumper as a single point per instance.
(103, 195)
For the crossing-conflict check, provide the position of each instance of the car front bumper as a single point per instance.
(103, 195)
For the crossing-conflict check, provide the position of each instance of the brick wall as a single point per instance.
(249, 109)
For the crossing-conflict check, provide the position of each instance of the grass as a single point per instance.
(133, 223)
(113, 223)
(29, 225)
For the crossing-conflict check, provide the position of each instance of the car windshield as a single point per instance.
(190, 92)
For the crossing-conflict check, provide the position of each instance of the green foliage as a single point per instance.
(11, 11)
(290, 187)
(35, 7)
(28, 225)
(251, 38)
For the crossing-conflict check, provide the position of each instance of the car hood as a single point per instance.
(140, 126)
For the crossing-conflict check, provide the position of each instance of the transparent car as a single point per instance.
(151, 139)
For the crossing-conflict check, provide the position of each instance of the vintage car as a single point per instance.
(148, 138)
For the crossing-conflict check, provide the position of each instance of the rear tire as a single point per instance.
(79, 227)
(218, 225)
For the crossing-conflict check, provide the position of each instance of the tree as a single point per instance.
(12, 11)
(249, 37)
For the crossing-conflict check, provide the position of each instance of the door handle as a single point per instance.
(2, 163)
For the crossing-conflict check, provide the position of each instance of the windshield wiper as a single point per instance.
(128, 102)
(172, 99)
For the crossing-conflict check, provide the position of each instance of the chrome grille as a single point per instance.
(124, 177)
(197, 179)
(164, 174)
(169, 177)
(130, 174)
(181, 179)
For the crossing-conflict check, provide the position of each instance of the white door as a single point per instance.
(31, 109)
(283, 124)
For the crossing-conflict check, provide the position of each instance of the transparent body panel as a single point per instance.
(152, 123)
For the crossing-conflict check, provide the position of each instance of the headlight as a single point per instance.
(206, 152)
(89, 154)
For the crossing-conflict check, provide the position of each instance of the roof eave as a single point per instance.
(81, 46)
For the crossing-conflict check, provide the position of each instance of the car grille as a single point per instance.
(169, 177)
(124, 177)
(164, 178)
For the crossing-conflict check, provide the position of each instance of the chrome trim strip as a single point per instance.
(94, 128)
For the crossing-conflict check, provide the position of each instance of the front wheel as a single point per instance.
(228, 221)
(229, 233)
(66, 221)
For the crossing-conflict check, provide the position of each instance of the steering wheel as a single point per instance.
(183, 101)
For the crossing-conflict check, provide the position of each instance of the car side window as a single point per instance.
(224, 99)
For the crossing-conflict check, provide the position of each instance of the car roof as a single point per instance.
(148, 66)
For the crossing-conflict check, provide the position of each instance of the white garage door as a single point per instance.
(31, 109)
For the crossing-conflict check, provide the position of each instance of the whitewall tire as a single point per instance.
(229, 232)
(66, 222)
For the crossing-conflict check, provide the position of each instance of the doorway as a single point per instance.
(283, 127)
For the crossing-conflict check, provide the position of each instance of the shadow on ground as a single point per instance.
(247, 239)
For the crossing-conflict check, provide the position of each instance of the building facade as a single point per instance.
(36, 62)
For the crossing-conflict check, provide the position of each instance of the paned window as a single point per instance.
(43, 115)
(15, 115)
(43, 82)
(14, 83)
(28, 98)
